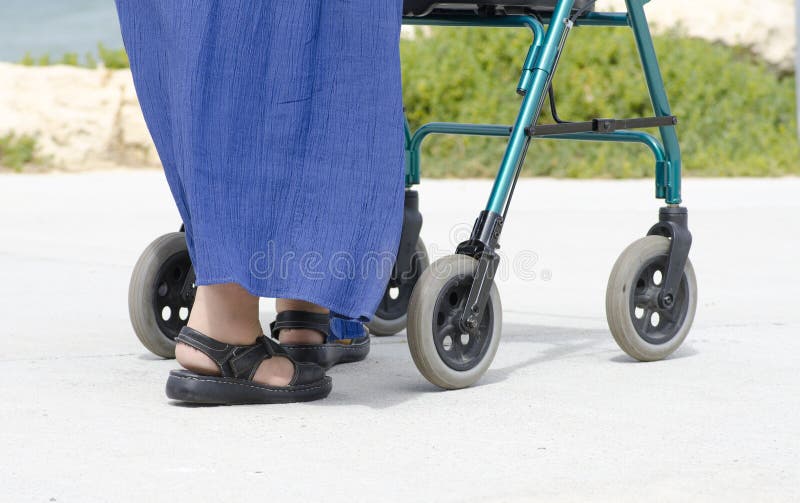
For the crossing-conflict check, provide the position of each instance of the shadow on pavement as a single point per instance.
(389, 377)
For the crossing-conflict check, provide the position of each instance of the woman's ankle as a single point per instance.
(299, 335)
(195, 361)
(299, 305)
(293, 336)
(229, 331)
(275, 371)
(226, 313)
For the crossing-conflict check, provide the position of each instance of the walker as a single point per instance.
(451, 309)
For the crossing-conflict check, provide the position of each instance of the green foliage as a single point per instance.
(737, 114)
(17, 151)
(27, 60)
(91, 61)
(69, 59)
(111, 58)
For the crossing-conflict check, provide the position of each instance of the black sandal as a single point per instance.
(238, 365)
(327, 354)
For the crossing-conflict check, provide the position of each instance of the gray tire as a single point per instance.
(391, 320)
(156, 309)
(643, 330)
(436, 303)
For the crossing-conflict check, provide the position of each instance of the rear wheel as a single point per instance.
(161, 293)
(392, 314)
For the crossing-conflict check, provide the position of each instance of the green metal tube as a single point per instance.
(459, 129)
(491, 22)
(668, 183)
(412, 144)
(531, 107)
(499, 130)
(600, 19)
(412, 165)
(526, 77)
(616, 137)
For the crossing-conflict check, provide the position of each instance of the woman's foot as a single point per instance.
(228, 313)
(294, 336)
(229, 361)
(239, 366)
(305, 332)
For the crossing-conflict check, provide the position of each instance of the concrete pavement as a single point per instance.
(562, 415)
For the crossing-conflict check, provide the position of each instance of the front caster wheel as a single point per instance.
(447, 355)
(161, 293)
(642, 328)
(392, 313)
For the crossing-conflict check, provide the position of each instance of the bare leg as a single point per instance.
(228, 313)
(299, 335)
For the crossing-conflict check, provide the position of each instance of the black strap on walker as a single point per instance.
(601, 125)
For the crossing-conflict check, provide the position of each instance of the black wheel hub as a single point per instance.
(174, 294)
(458, 348)
(394, 303)
(653, 322)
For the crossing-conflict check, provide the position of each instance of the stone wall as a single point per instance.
(82, 118)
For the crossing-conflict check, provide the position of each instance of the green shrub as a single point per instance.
(69, 59)
(17, 151)
(737, 114)
(44, 60)
(111, 58)
(27, 60)
(91, 60)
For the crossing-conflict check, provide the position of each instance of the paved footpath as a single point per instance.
(562, 415)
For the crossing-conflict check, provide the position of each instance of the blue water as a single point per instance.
(56, 27)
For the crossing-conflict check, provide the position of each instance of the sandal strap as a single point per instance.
(301, 319)
(240, 362)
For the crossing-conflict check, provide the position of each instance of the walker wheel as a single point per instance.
(161, 293)
(392, 313)
(447, 355)
(643, 329)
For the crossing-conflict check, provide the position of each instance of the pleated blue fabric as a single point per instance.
(279, 124)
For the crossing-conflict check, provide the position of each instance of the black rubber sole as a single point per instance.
(187, 386)
(328, 355)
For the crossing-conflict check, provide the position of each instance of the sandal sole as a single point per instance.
(328, 355)
(186, 386)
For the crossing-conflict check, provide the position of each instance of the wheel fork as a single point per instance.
(482, 245)
(673, 223)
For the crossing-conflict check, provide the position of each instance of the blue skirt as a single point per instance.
(279, 124)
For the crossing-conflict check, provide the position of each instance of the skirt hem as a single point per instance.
(339, 310)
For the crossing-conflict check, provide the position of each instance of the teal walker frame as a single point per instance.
(454, 316)
(537, 71)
